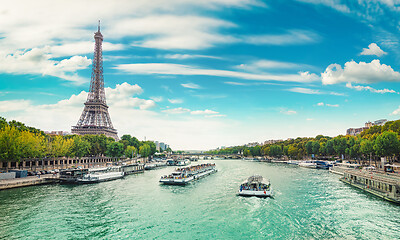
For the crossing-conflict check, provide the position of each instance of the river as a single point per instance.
(308, 204)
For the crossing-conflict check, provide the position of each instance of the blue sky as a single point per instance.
(204, 74)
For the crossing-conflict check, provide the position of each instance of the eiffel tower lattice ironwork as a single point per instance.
(95, 118)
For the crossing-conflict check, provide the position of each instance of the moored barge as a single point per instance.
(183, 176)
(384, 185)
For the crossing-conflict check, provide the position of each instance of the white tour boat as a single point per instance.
(340, 168)
(183, 162)
(183, 176)
(255, 186)
(308, 164)
(96, 175)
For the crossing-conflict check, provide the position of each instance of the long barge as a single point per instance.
(183, 176)
(383, 185)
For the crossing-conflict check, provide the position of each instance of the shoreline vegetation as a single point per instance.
(366, 148)
(18, 141)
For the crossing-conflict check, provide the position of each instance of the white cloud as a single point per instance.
(290, 38)
(332, 105)
(368, 88)
(312, 91)
(77, 48)
(178, 110)
(335, 4)
(191, 85)
(288, 112)
(373, 49)
(321, 104)
(174, 32)
(14, 105)
(188, 56)
(204, 112)
(175, 101)
(396, 112)
(304, 90)
(359, 73)
(270, 64)
(157, 99)
(38, 61)
(179, 69)
(236, 83)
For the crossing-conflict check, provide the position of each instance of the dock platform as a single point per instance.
(28, 181)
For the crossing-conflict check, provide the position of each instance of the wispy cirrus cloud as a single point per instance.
(188, 56)
(313, 91)
(179, 69)
(321, 104)
(371, 89)
(191, 85)
(291, 37)
(288, 111)
(175, 101)
(181, 110)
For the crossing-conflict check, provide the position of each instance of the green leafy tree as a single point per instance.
(387, 144)
(80, 147)
(130, 151)
(144, 150)
(115, 149)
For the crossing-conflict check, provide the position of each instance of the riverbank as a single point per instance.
(28, 181)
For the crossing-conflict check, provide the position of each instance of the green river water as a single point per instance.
(308, 204)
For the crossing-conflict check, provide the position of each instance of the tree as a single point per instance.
(80, 147)
(144, 150)
(275, 151)
(115, 149)
(387, 144)
(130, 151)
(367, 148)
(10, 144)
(309, 147)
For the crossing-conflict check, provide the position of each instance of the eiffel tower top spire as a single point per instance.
(95, 118)
(96, 91)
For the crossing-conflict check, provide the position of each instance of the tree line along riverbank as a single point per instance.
(369, 145)
(18, 141)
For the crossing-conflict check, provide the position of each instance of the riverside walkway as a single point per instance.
(28, 181)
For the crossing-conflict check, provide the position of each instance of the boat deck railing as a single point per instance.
(391, 179)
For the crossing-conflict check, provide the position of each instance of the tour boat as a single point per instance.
(308, 164)
(340, 168)
(255, 186)
(293, 162)
(183, 162)
(101, 175)
(183, 176)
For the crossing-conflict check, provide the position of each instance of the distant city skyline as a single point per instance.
(204, 74)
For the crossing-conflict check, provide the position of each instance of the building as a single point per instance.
(268, 142)
(160, 146)
(253, 144)
(95, 118)
(54, 133)
(356, 131)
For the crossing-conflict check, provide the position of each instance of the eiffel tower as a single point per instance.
(95, 118)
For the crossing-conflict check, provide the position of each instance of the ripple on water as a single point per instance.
(307, 204)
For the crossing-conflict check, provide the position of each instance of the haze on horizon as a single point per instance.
(204, 74)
